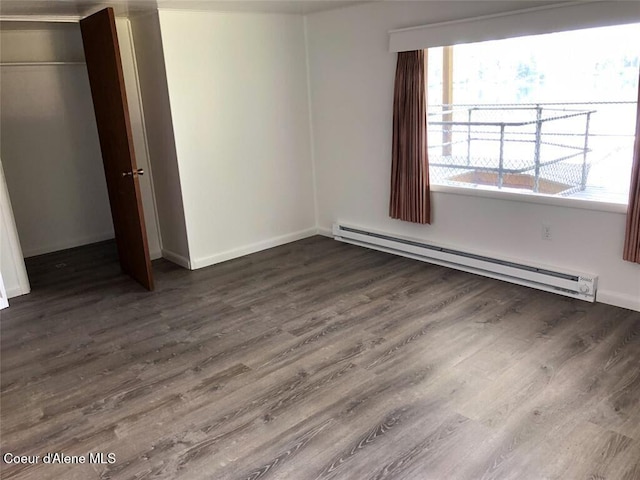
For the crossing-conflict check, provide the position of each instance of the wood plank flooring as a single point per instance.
(315, 360)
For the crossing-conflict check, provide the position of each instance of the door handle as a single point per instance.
(134, 173)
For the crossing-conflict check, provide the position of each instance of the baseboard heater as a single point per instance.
(571, 284)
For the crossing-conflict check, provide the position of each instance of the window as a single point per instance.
(545, 114)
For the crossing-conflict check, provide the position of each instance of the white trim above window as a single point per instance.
(532, 21)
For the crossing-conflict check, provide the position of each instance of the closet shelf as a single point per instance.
(37, 64)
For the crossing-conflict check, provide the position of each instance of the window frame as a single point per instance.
(538, 198)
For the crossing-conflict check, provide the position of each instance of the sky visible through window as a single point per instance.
(582, 70)
(598, 64)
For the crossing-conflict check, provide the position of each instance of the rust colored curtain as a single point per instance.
(409, 164)
(632, 235)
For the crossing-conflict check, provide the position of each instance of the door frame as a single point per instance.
(8, 225)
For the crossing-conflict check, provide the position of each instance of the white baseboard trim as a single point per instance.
(624, 301)
(177, 259)
(76, 242)
(16, 292)
(252, 248)
(155, 255)
(325, 232)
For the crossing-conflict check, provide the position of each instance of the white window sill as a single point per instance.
(566, 202)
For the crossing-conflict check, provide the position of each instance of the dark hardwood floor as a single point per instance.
(314, 360)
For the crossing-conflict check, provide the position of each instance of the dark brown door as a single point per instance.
(102, 55)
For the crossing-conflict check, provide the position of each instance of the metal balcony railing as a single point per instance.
(544, 148)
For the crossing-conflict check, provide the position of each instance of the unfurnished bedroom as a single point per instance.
(319, 239)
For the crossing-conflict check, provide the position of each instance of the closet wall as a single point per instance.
(49, 141)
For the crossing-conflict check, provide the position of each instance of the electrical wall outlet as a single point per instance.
(546, 232)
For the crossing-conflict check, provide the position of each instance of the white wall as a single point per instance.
(352, 76)
(160, 138)
(239, 103)
(49, 146)
(49, 142)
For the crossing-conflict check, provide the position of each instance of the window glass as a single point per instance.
(549, 114)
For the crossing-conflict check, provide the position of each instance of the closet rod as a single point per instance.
(35, 64)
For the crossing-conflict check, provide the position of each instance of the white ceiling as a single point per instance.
(81, 8)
